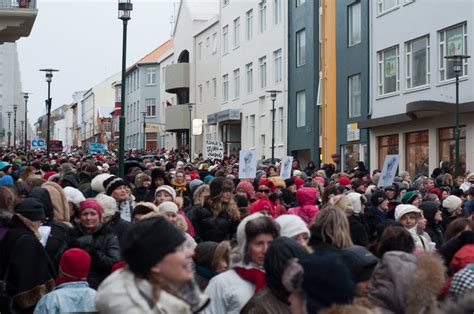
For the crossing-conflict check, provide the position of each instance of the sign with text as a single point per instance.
(389, 170)
(214, 150)
(247, 164)
(38, 143)
(97, 148)
(285, 167)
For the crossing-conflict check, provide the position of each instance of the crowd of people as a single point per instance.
(175, 236)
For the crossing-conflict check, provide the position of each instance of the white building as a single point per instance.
(413, 85)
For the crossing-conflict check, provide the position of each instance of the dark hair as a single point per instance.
(261, 225)
(141, 210)
(395, 238)
(457, 226)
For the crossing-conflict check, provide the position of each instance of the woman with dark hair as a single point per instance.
(457, 226)
(395, 238)
(310, 167)
(158, 178)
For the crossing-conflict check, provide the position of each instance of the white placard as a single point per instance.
(247, 164)
(214, 150)
(285, 167)
(390, 166)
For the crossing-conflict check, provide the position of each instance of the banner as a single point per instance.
(97, 148)
(214, 150)
(285, 167)
(247, 164)
(38, 143)
(389, 170)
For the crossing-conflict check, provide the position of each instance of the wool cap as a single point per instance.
(298, 182)
(344, 181)
(168, 207)
(247, 187)
(194, 184)
(97, 184)
(75, 263)
(403, 209)
(268, 183)
(409, 197)
(292, 226)
(108, 203)
(208, 179)
(219, 185)
(148, 241)
(356, 202)
(74, 196)
(30, 208)
(263, 204)
(360, 261)
(6, 180)
(93, 204)
(112, 183)
(168, 189)
(378, 197)
(451, 203)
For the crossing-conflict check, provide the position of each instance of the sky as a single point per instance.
(83, 39)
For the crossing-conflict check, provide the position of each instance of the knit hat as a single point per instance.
(194, 184)
(66, 167)
(247, 187)
(157, 233)
(168, 189)
(31, 209)
(4, 166)
(409, 197)
(463, 281)
(42, 195)
(93, 204)
(168, 207)
(75, 263)
(463, 257)
(292, 226)
(266, 182)
(208, 179)
(74, 195)
(377, 198)
(6, 180)
(108, 203)
(113, 183)
(49, 174)
(298, 182)
(451, 203)
(344, 181)
(263, 204)
(360, 261)
(219, 185)
(436, 191)
(403, 209)
(355, 201)
(97, 184)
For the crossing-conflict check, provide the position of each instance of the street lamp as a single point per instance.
(15, 108)
(124, 8)
(25, 97)
(9, 127)
(190, 107)
(273, 95)
(144, 130)
(457, 62)
(49, 78)
(20, 133)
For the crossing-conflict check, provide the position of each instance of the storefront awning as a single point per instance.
(228, 116)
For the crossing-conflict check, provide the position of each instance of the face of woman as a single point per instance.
(159, 182)
(120, 194)
(258, 248)
(417, 201)
(302, 239)
(163, 196)
(222, 266)
(444, 194)
(175, 267)
(90, 219)
(438, 217)
(408, 220)
(172, 217)
(226, 196)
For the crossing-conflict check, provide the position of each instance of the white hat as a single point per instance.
(97, 184)
(74, 196)
(108, 203)
(291, 226)
(167, 189)
(451, 203)
(403, 209)
(168, 207)
(355, 201)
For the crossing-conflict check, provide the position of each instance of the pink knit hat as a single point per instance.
(247, 187)
(92, 203)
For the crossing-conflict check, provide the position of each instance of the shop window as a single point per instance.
(352, 153)
(417, 153)
(447, 147)
(387, 145)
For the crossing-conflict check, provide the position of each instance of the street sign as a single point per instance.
(38, 144)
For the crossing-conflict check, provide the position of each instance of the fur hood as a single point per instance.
(462, 305)
(200, 194)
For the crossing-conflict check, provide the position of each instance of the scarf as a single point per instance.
(255, 276)
(179, 187)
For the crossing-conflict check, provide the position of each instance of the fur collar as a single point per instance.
(29, 225)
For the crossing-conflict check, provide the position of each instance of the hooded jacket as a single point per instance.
(435, 230)
(307, 209)
(58, 200)
(206, 258)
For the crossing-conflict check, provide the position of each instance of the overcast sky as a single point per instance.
(83, 39)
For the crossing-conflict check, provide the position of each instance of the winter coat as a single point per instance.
(206, 258)
(433, 229)
(307, 209)
(119, 226)
(5, 217)
(210, 228)
(123, 292)
(140, 194)
(57, 240)
(125, 209)
(31, 273)
(69, 297)
(266, 302)
(358, 231)
(103, 247)
(372, 219)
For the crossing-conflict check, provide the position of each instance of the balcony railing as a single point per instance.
(17, 4)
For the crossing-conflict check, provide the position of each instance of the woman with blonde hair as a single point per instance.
(330, 229)
(27, 172)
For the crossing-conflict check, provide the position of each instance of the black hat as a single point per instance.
(148, 241)
(112, 183)
(360, 261)
(31, 209)
(42, 195)
(378, 197)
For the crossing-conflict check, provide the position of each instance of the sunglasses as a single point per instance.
(264, 191)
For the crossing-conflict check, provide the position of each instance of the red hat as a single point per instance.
(298, 182)
(436, 191)
(463, 257)
(91, 203)
(344, 181)
(261, 205)
(49, 174)
(267, 183)
(75, 264)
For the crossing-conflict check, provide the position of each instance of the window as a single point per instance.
(263, 15)
(281, 126)
(452, 41)
(277, 65)
(418, 62)
(262, 62)
(388, 145)
(352, 153)
(225, 39)
(249, 25)
(249, 73)
(277, 11)
(150, 76)
(354, 22)
(354, 96)
(417, 153)
(237, 32)
(236, 83)
(385, 5)
(200, 51)
(150, 107)
(262, 144)
(225, 87)
(388, 62)
(214, 43)
(300, 109)
(200, 93)
(214, 87)
(252, 130)
(300, 47)
(299, 2)
(447, 147)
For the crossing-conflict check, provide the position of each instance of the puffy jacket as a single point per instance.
(119, 225)
(307, 209)
(103, 247)
(210, 228)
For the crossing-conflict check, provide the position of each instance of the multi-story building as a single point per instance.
(412, 94)
(16, 19)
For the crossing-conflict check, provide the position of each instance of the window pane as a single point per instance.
(354, 96)
(419, 63)
(390, 70)
(447, 147)
(417, 153)
(300, 48)
(388, 145)
(301, 109)
(354, 16)
(454, 46)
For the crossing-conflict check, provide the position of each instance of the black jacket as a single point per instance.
(119, 226)
(210, 228)
(103, 247)
(372, 220)
(140, 194)
(58, 241)
(358, 231)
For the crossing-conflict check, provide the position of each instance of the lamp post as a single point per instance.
(144, 130)
(124, 8)
(273, 95)
(49, 78)
(9, 128)
(15, 108)
(25, 97)
(457, 62)
(20, 135)
(190, 107)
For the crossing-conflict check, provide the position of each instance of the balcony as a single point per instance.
(16, 19)
(177, 77)
(177, 118)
